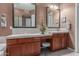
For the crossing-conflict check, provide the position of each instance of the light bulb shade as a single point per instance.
(54, 7)
(51, 6)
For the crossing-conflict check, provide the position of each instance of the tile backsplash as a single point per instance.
(28, 30)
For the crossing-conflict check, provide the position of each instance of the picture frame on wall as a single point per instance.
(3, 22)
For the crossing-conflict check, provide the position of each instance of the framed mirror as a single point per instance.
(53, 16)
(24, 15)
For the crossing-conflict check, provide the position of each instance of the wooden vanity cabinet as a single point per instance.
(59, 41)
(64, 39)
(32, 46)
(23, 47)
(55, 42)
(14, 50)
(36, 48)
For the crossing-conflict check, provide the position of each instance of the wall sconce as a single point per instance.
(3, 22)
(63, 20)
(67, 23)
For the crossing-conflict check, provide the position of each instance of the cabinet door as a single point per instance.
(56, 43)
(64, 41)
(12, 42)
(14, 50)
(27, 49)
(36, 47)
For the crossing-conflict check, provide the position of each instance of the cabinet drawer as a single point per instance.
(59, 35)
(55, 35)
(12, 41)
(27, 40)
(36, 39)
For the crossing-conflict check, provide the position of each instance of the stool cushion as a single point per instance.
(46, 44)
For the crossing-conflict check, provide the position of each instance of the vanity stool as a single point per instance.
(45, 45)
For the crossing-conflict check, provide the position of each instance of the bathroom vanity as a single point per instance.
(59, 41)
(23, 46)
(27, 45)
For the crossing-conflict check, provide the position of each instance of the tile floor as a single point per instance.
(64, 52)
(72, 54)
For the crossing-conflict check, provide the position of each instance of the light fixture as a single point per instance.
(51, 6)
(54, 7)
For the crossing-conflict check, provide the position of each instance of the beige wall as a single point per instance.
(68, 10)
(7, 9)
(41, 14)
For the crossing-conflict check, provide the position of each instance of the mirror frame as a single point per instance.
(23, 27)
(47, 17)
